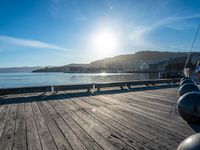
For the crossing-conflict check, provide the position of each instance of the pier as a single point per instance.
(88, 87)
(132, 115)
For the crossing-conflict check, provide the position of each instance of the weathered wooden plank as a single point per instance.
(130, 133)
(128, 120)
(148, 99)
(89, 142)
(60, 140)
(156, 138)
(116, 101)
(153, 102)
(70, 107)
(8, 132)
(113, 135)
(160, 117)
(171, 132)
(145, 126)
(127, 131)
(105, 131)
(45, 136)
(138, 114)
(152, 106)
(19, 141)
(168, 91)
(160, 97)
(82, 104)
(157, 113)
(75, 105)
(33, 139)
(3, 117)
(156, 121)
(136, 100)
(74, 141)
(141, 97)
(93, 133)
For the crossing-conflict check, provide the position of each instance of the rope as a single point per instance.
(194, 40)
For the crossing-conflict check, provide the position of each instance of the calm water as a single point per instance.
(38, 79)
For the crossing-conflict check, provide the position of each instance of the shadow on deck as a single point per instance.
(65, 95)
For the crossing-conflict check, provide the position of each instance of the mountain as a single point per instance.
(122, 63)
(18, 69)
(133, 59)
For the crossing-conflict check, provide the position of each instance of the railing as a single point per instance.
(89, 87)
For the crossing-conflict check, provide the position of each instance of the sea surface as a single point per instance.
(8, 80)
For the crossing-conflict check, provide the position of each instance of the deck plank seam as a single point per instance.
(48, 103)
(97, 122)
(181, 135)
(58, 126)
(36, 103)
(119, 129)
(103, 127)
(9, 107)
(116, 130)
(82, 129)
(142, 128)
(133, 130)
(136, 117)
(155, 116)
(93, 128)
(15, 126)
(68, 126)
(36, 126)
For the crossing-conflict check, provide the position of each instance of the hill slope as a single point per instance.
(18, 69)
(121, 63)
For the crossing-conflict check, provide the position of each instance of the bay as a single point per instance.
(10, 80)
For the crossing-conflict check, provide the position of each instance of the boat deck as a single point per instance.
(141, 118)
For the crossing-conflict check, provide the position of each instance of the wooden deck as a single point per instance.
(141, 118)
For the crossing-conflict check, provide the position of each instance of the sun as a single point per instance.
(104, 42)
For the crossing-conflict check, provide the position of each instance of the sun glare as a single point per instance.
(104, 43)
(103, 74)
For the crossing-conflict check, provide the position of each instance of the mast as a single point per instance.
(187, 67)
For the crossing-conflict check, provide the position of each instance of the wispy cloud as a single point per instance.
(30, 43)
(139, 34)
(170, 21)
(194, 16)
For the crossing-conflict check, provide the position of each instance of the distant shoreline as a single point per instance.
(142, 71)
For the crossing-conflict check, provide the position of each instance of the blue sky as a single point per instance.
(59, 32)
